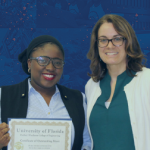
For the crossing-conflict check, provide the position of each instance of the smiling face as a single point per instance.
(111, 55)
(45, 77)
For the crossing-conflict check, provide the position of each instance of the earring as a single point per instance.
(29, 70)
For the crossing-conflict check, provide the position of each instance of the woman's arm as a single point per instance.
(4, 128)
(86, 137)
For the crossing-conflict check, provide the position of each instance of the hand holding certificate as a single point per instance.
(37, 134)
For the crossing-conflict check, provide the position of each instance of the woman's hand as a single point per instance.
(4, 136)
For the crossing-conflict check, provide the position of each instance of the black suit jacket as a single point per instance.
(14, 104)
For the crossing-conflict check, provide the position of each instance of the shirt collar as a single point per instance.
(31, 87)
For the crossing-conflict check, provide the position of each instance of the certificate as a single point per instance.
(40, 134)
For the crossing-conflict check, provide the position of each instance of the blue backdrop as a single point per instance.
(71, 22)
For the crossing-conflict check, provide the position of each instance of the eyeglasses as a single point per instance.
(45, 60)
(117, 41)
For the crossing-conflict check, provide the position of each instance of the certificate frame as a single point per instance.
(46, 124)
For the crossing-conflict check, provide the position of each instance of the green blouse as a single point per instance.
(111, 128)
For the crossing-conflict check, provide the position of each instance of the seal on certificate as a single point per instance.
(18, 146)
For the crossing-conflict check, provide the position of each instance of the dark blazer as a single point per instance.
(14, 104)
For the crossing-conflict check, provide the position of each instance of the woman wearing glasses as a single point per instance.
(118, 93)
(39, 96)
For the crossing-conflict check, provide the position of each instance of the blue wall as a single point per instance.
(71, 22)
